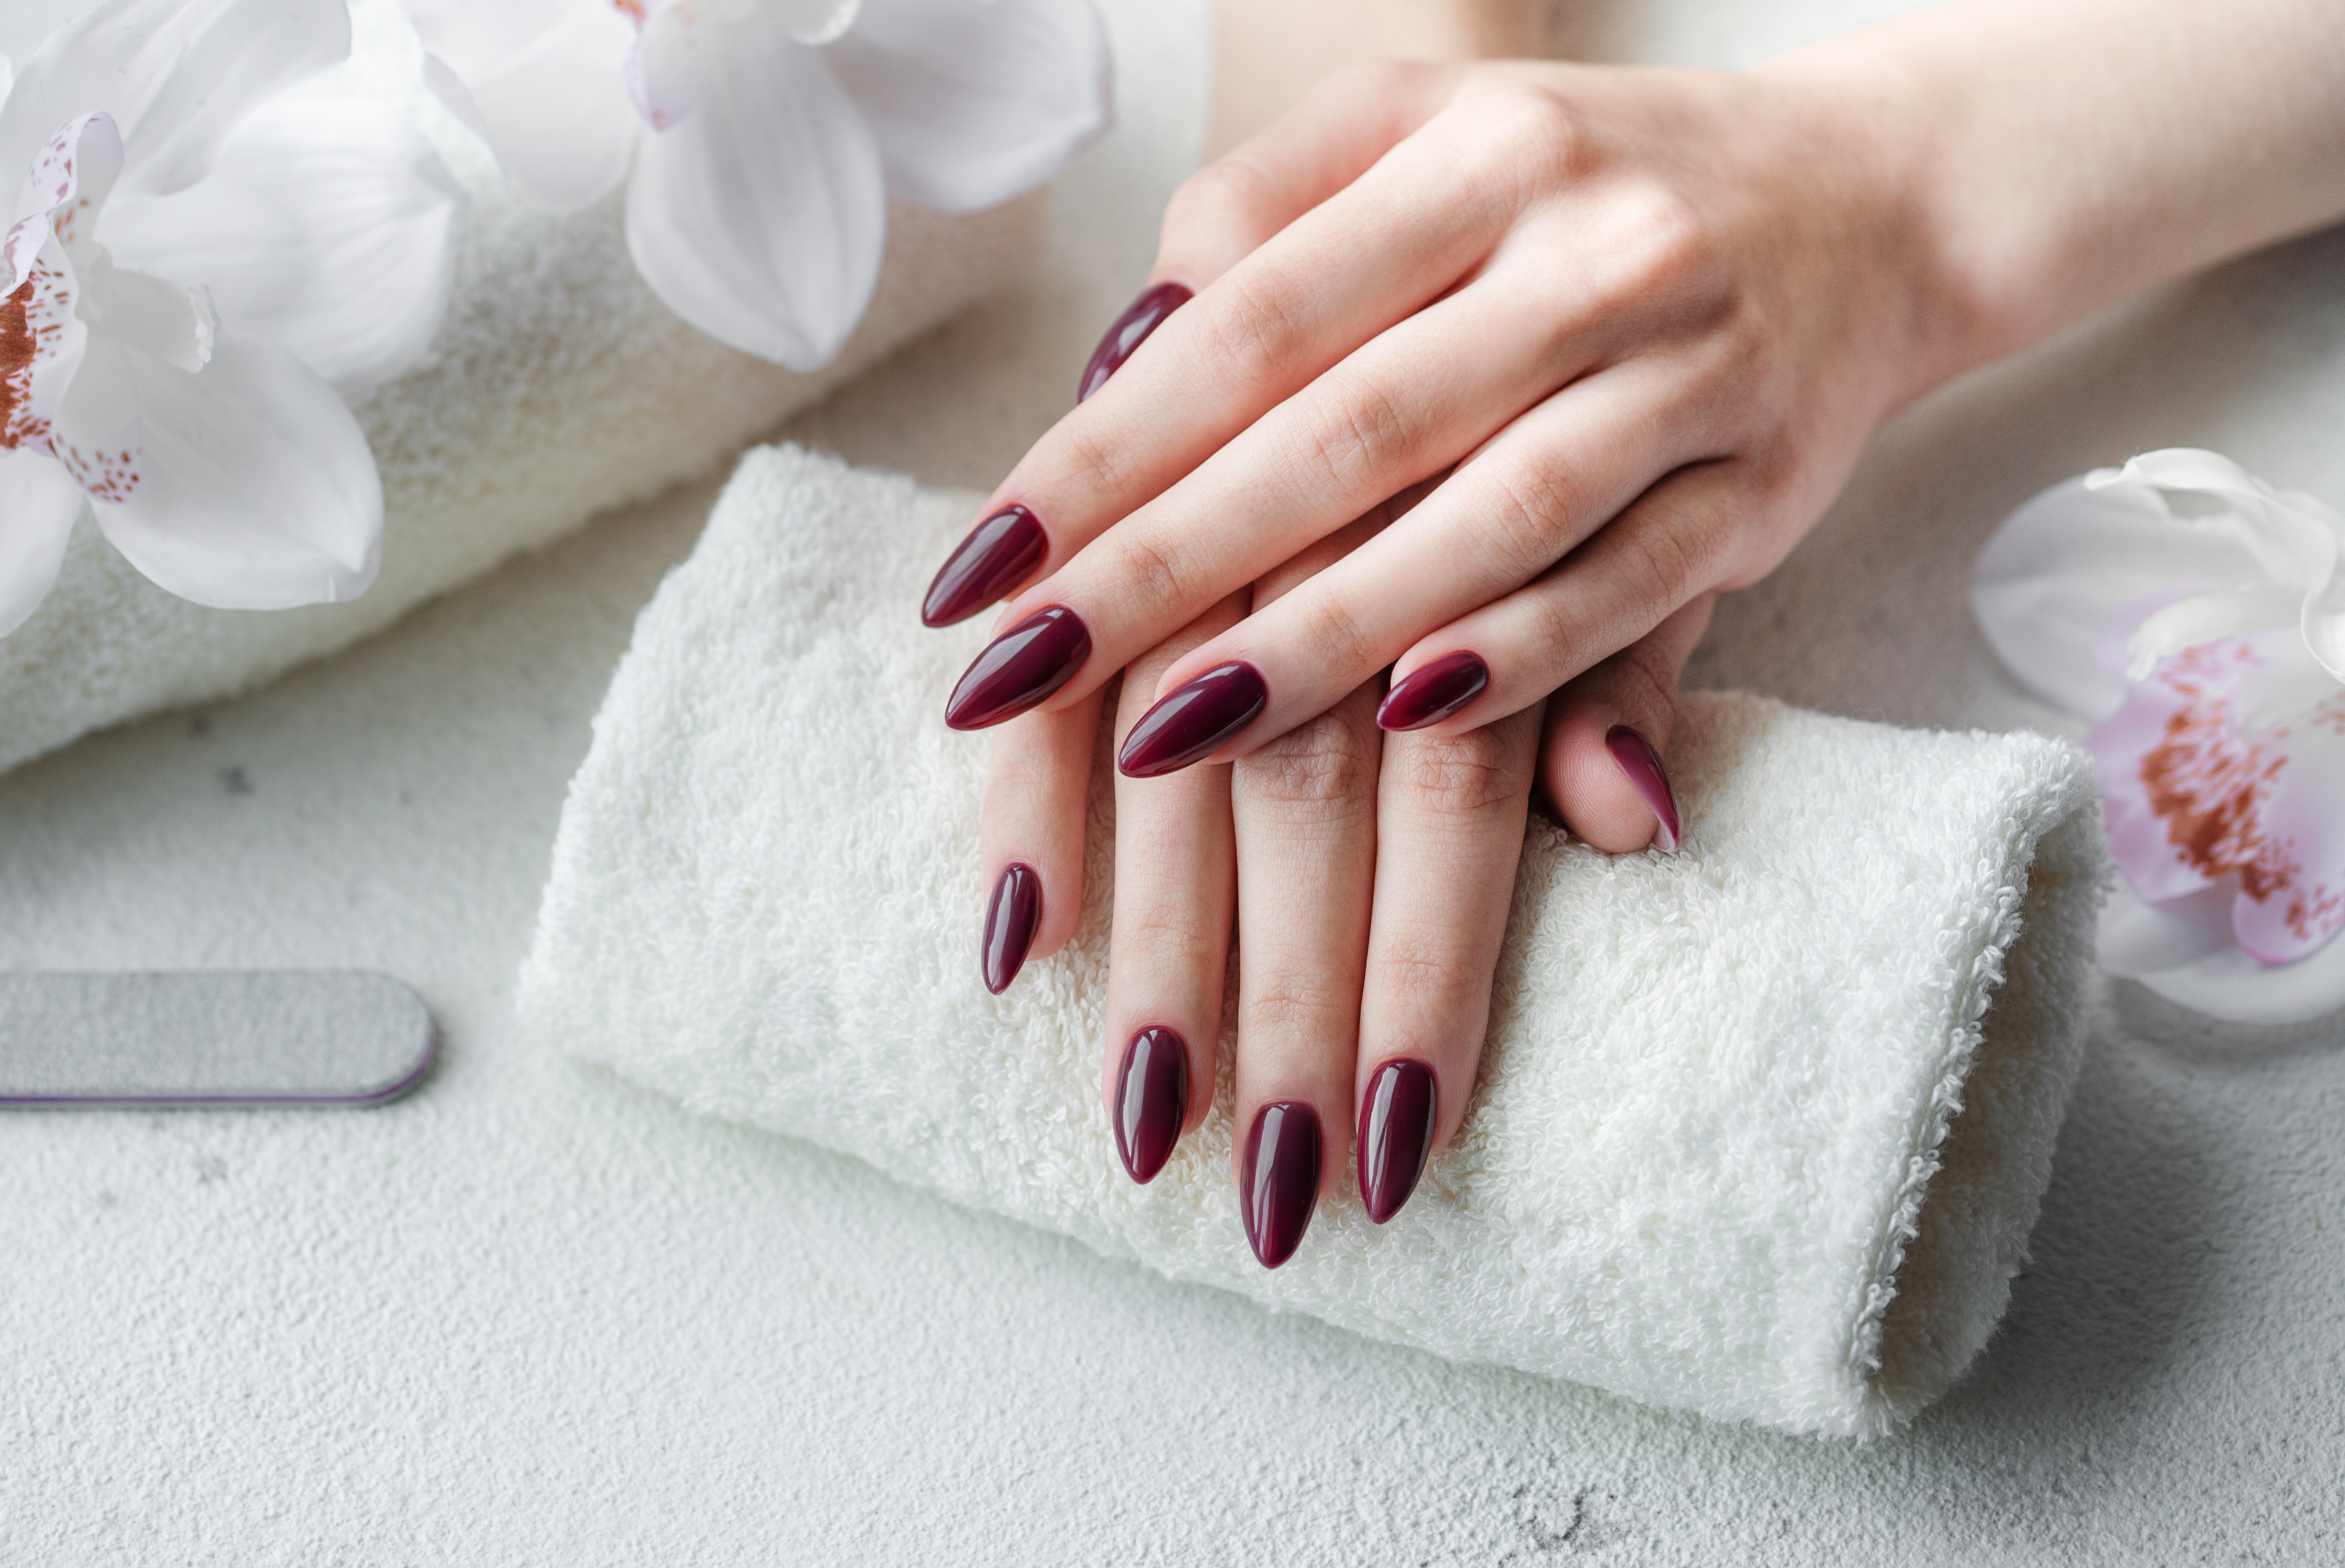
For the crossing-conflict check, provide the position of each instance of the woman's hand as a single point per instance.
(1642, 321)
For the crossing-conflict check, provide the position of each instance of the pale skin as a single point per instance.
(1528, 361)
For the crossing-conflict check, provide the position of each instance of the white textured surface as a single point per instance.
(1712, 1114)
(532, 1315)
(558, 386)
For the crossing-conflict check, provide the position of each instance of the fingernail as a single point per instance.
(1280, 1183)
(1642, 765)
(1131, 328)
(1151, 1099)
(1396, 1135)
(1019, 669)
(1431, 693)
(1194, 721)
(996, 557)
(1010, 916)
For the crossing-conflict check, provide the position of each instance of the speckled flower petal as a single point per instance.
(38, 504)
(2296, 902)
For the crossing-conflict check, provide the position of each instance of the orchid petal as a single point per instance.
(760, 218)
(2199, 618)
(2207, 783)
(671, 62)
(813, 22)
(2292, 536)
(177, 75)
(2322, 622)
(2070, 558)
(2293, 901)
(486, 37)
(258, 491)
(2137, 938)
(38, 504)
(2231, 985)
(974, 104)
(325, 229)
(555, 112)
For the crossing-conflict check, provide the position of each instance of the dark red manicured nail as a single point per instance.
(1131, 328)
(1151, 1099)
(1431, 693)
(1642, 765)
(1019, 669)
(1396, 1135)
(1194, 721)
(1010, 916)
(1280, 1183)
(999, 554)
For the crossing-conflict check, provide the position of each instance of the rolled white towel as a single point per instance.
(558, 386)
(1714, 1160)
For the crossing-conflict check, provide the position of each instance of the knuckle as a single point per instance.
(1322, 770)
(1421, 971)
(1353, 433)
(1232, 194)
(1171, 932)
(1527, 505)
(1659, 248)
(1333, 633)
(1292, 1005)
(1093, 464)
(1527, 135)
(1252, 331)
(1468, 775)
(1150, 572)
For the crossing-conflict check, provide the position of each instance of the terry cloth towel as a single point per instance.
(558, 386)
(1761, 1127)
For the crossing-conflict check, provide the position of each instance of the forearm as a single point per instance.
(2064, 157)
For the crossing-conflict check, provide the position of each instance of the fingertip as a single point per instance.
(1595, 795)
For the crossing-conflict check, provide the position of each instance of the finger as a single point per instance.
(1175, 896)
(1450, 811)
(1601, 755)
(1305, 810)
(1505, 516)
(1405, 232)
(1037, 779)
(1667, 549)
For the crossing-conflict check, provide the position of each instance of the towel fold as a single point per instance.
(1761, 1130)
(558, 387)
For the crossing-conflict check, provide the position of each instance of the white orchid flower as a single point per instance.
(760, 138)
(2198, 614)
(210, 231)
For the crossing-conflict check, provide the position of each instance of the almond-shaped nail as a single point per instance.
(1140, 317)
(1019, 669)
(1397, 1119)
(1432, 692)
(1278, 1186)
(1151, 1100)
(1194, 721)
(1642, 768)
(999, 554)
(1011, 915)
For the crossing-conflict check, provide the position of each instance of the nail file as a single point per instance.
(270, 1038)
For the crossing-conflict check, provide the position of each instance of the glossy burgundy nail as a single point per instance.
(1131, 328)
(1011, 915)
(1396, 1135)
(1151, 1099)
(1431, 693)
(999, 554)
(1194, 721)
(1642, 765)
(1279, 1184)
(1019, 669)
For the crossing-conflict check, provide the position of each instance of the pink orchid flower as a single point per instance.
(214, 236)
(760, 139)
(2197, 615)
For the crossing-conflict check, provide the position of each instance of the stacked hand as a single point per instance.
(1484, 377)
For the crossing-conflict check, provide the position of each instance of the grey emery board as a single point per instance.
(210, 1037)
